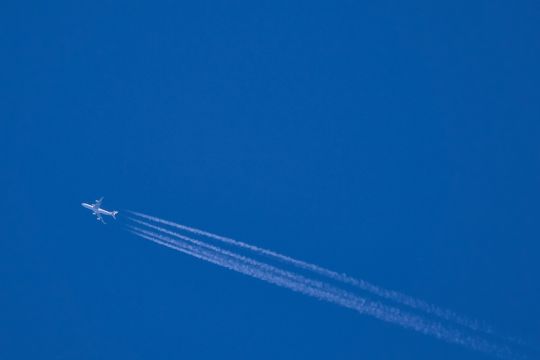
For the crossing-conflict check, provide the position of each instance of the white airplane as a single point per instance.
(98, 211)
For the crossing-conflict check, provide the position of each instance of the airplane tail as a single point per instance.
(114, 214)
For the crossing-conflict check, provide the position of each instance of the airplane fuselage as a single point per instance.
(97, 210)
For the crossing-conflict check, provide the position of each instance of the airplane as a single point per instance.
(98, 211)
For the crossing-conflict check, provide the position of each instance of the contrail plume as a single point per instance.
(255, 263)
(319, 290)
(392, 295)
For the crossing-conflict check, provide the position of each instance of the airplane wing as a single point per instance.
(98, 202)
(100, 218)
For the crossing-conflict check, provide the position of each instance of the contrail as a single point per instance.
(319, 290)
(257, 264)
(249, 261)
(392, 295)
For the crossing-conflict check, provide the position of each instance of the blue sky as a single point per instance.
(393, 141)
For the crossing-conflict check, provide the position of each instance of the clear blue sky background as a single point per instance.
(394, 141)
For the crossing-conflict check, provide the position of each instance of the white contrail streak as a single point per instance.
(319, 290)
(257, 264)
(392, 295)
